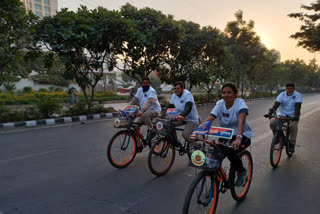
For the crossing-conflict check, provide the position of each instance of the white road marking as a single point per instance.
(28, 156)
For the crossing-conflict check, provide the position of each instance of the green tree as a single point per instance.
(16, 31)
(309, 35)
(155, 34)
(86, 42)
(245, 46)
(183, 65)
(216, 60)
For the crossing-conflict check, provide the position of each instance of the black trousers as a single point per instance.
(232, 155)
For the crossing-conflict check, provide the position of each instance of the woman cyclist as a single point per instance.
(232, 113)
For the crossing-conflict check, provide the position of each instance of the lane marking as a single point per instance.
(28, 156)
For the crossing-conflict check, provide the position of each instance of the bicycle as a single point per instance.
(203, 193)
(280, 140)
(123, 146)
(162, 153)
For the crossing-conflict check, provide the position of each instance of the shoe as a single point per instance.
(292, 146)
(139, 149)
(241, 179)
(150, 135)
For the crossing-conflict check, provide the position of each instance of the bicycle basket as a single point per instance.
(121, 122)
(163, 127)
(207, 159)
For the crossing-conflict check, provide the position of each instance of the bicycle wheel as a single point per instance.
(121, 149)
(275, 151)
(290, 146)
(239, 193)
(202, 195)
(161, 157)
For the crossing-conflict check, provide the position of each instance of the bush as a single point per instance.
(27, 89)
(42, 90)
(48, 107)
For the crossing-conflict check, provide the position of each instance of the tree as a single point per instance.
(216, 60)
(245, 46)
(155, 34)
(309, 35)
(183, 65)
(16, 31)
(86, 41)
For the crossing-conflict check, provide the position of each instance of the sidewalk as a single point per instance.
(80, 118)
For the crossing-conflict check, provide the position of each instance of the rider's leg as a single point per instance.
(235, 161)
(293, 131)
(273, 125)
(188, 129)
(147, 118)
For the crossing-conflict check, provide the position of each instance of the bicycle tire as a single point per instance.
(198, 199)
(239, 193)
(125, 155)
(161, 157)
(275, 151)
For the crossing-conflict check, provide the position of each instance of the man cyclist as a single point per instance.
(149, 104)
(289, 103)
(182, 99)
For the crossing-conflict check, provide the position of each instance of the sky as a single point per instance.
(270, 17)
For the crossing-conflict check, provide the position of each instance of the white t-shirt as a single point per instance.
(287, 103)
(180, 102)
(144, 96)
(228, 118)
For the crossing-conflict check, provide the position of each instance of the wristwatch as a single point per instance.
(239, 136)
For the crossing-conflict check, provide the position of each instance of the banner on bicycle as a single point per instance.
(202, 129)
(220, 132)
(172, 111)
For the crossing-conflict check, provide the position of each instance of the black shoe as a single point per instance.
(139, 149)
(150, 135)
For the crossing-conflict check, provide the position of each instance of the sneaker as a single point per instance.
(150, 135)
(241, 179)
(291, 146)
(139, 149)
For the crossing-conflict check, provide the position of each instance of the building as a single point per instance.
(41, 7)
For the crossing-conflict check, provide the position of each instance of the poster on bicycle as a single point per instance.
(220, 132)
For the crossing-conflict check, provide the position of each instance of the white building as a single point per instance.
(41, 7)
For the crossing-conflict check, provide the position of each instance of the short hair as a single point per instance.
(145, 78)
(290, 84)
(230, 85)
(179, 83)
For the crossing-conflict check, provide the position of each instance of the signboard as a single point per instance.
(220, 132)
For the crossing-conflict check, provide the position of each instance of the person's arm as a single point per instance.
(187, 109)
(147, 105)
(241, 120)
(209, 118)
(274, 108)
(134, 101)
(297, 108)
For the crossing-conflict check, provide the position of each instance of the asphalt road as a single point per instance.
(64, 170)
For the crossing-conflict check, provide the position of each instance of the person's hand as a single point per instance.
(180, 117)
(139, 114)
(236, 144)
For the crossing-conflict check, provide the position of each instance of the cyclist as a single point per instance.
(72, 94)
(232, 113)
(290, 102)
(182, 99)
(148, 101)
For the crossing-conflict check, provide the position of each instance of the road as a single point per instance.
(64, 170)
